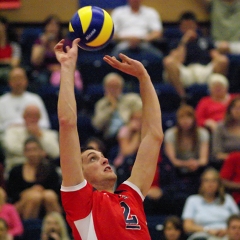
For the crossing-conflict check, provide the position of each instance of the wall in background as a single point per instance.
(35, 11)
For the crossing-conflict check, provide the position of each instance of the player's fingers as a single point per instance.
(125, 58)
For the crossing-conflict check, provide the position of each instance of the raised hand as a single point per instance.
(68, 57)
(127, 65)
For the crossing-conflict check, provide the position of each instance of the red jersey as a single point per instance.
(94, 215)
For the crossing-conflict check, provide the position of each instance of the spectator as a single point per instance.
(34, 184)
(143, 26)
(10, 51)
(129, 137)
(15, 136)
(13, 103)
(233, 228)
(54, 227)
(218, 99)
(224, 18)
(193, 57)
(230, 175)
(9, 213)
(206, 213)
(226, 138)
(4, 231)
(173, 229)
(114, 109)
(43, 57)
(186, 146)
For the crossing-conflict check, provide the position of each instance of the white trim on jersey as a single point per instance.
(86, 228)
(134, 187)
(74, 188)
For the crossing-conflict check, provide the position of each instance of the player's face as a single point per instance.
(96, 168)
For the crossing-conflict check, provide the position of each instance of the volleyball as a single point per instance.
(94, 27)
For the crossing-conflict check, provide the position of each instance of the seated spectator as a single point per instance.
(187, 148)
(10, 51)
(15, 136)
(9, 213)
(54, 227)
(129, 137)
(34, 184)
(173, 229)
(218, 99)
(226, 138)
(230, 175)
(43, 58)
(114, 109)
(193, 57)
(4, 230)
(224, 18)
(13, 103)
(233, 229)
(136, 35)
(206, 213)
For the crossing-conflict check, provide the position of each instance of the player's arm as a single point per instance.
(151, 132)
(70, 154)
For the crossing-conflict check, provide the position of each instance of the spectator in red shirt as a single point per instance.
(218, 99)
(230, 175)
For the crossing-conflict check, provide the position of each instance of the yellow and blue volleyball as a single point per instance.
(94, 27)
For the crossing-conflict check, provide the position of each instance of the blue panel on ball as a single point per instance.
(95, 25)
(77, 26)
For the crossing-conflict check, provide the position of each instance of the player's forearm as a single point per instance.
(151, 118)
(66, 101)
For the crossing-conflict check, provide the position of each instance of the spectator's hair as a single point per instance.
(11, 35)
(111, 75)
(229, 120)
(186, 110)
(220, 193)
(218, 78)
(232, 218)
(3, 20)
(177, 224)
(61, 223)
(32, 140)
(188, 16)
(55, 18)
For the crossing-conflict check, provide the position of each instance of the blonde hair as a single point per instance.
(218, 78)
(61, 222)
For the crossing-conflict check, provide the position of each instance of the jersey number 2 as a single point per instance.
(131, 220)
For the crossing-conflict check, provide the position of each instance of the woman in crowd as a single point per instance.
(226, 138)
(206, 213)
(187, 148)
(218, 99)
(54, 227)
(4, 230)
(43, 58)
(34, 185)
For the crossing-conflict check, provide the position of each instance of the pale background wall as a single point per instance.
(35, 11)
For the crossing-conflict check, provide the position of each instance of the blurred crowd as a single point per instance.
(196, 72)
